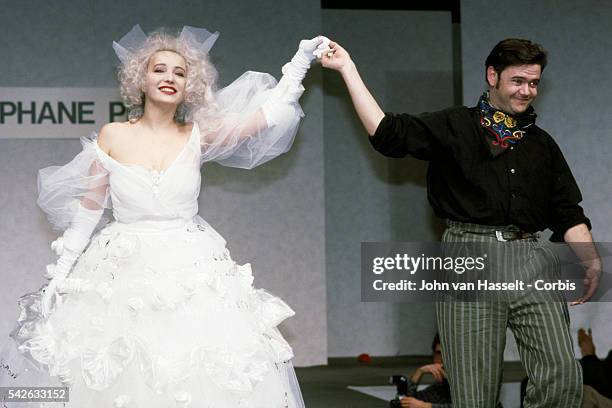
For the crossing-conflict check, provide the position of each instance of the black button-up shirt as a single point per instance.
(529, 185)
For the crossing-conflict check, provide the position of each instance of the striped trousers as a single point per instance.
(473, 334)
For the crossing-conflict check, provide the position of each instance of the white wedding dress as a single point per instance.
(155, 314)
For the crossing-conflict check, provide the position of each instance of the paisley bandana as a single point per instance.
(502, 129)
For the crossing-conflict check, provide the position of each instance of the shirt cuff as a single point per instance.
(378, 137)
(560, 229)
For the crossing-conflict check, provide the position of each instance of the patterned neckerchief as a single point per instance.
(501, 128)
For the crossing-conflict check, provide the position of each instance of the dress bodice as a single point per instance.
(153, 198)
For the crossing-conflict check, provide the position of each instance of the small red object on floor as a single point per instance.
(364, 358)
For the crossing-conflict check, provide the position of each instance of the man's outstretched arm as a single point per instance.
(367, 108)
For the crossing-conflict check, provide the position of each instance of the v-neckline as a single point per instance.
(139, 166)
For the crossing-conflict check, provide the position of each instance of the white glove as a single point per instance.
(51, 298)
(289, 88)
(322, 47)
(307, 52)
(69, 248)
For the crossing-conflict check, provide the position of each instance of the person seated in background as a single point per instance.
(437, 395)
(596, 374)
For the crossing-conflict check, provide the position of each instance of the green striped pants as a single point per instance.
(473, 334)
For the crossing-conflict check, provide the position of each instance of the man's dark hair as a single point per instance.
(515, 51)
(435, 342)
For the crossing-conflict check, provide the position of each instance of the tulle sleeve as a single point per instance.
(83, 181)
(236, 133)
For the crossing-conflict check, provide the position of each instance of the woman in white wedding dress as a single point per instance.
(152, 312)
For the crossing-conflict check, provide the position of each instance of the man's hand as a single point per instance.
(592, 276)
(410, 402)
(337, 58)
(434, 369)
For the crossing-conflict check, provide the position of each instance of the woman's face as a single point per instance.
(166, 78)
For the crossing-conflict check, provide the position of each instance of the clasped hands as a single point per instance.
(315, 47)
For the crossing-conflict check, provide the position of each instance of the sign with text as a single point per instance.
(51, 113)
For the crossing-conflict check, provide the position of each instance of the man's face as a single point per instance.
(515, 88)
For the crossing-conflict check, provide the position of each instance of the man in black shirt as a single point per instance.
(497, 178)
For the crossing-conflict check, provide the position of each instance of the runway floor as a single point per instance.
(326, 386)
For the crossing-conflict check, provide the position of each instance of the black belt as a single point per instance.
(501, 233)
(507, 235)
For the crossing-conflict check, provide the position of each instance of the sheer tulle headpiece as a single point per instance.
(134, 50)
(199, 38)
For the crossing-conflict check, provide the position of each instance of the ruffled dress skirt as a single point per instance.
(155, 318)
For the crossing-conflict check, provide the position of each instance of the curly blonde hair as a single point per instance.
(201, 79)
